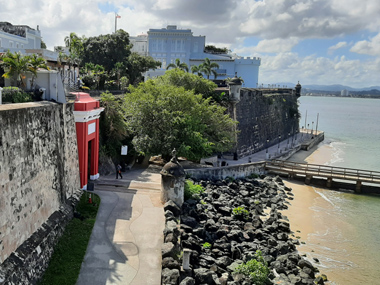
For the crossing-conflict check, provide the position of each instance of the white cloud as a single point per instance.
(337, 46)
(370, 47)
(290, 67)
(279, 25)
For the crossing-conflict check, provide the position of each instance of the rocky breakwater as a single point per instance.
(226, 228)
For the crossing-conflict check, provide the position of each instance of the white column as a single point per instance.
(186, 259)
(1, 90)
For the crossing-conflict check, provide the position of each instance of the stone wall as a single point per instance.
(234, 171)
(39, 169)
(264, 114)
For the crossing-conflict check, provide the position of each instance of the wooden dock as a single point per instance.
(329, 173)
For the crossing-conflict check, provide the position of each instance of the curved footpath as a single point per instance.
(125, 244)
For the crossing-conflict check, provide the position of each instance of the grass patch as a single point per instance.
(241, 212)
(255, 269)
(192, 191)
(68, 254)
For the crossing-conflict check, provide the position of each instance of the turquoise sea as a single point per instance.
(347, 241)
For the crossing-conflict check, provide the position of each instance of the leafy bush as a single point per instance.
(241, 212)
(15, 95)
(192, 190)
(206, 245)
(253, 176)
(256, 269)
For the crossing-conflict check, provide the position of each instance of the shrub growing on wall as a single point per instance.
(15, 95)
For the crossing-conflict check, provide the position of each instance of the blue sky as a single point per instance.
(313, 41)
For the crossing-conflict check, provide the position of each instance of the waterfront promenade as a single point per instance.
(285, 148)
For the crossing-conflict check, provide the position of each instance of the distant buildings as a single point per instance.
(344, 92)
(18, 38)
(26, 40)
(168, 44)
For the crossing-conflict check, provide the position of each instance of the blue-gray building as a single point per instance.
(168, 44)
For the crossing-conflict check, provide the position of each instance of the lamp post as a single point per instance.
(288, 141)
(278, 147)
(312, 126)
(307, 130)
(301, 133)
(267, 154)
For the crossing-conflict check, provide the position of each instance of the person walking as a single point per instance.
(118, 172)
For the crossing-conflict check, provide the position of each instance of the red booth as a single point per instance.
(87, 113)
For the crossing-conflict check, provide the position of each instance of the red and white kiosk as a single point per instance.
(87, 113)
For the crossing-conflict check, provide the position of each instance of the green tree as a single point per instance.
(178, 64)
(137, 65)
(43, 45)
(189, 81)
(107, 50)
(75, 44)
(163, 117)
(113, 129)
(196, 69)
(17, 65)
(208, 68)
(36, 62)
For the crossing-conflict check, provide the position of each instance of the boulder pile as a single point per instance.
(225, 226)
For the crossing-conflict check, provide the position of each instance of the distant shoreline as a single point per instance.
(368, 96)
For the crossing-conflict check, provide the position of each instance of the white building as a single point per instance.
(140, 44)
(168, 44)
(18, 38)
(344, 92)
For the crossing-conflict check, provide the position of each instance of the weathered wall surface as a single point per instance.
(235, 171)
(264, 114)
(38, 168)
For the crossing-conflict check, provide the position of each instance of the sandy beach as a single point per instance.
(304, 221)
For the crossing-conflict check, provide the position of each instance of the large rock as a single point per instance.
(173, 207)
(171, 263)
(189, 221)
(170, 276)
(203, 276)
(187, 281)
(168, 249)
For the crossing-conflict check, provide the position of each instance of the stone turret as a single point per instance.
(173, 181)
(298, 89)
(235, 86)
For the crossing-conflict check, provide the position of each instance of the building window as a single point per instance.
(16, 45)
(154, 45)
(22, 46)
(11, 44)
(1, 44)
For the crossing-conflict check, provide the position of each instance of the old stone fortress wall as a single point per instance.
(38, 178)
(39, 170)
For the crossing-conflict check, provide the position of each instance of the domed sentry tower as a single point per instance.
(298, 89)
(173, 181)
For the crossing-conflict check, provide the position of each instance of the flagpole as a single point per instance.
(115, 22)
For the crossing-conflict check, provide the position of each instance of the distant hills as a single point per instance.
(331, 88)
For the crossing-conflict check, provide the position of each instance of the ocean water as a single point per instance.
(347, 235)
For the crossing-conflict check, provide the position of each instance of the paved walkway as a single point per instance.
(125, 245)
(274, 151)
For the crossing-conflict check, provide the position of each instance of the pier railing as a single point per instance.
(324, 171)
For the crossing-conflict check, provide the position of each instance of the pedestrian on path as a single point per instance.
(118, 172)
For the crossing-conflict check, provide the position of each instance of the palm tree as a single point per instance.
(15, 65)
(196, 69)
(178, 64)
(208, 68)
(36, 62)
